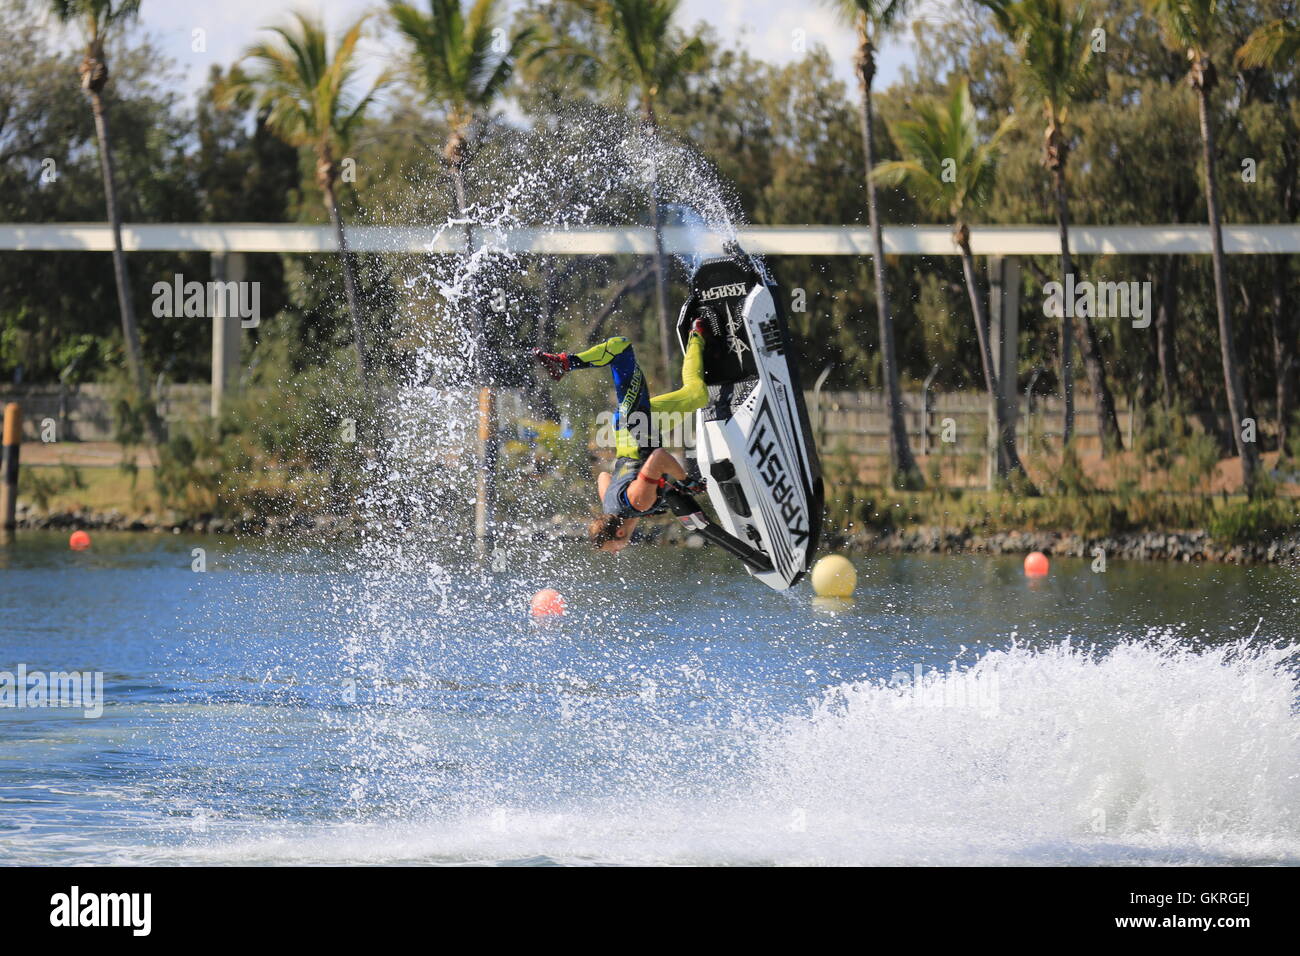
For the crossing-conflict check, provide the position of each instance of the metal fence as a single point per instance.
(85, 412)
(852, 422)
(954, 423)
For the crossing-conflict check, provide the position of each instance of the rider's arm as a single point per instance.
(644, 492)
(693, 394)
(660, 463)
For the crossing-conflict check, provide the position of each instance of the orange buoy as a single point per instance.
(1036, 564)
(79, 541)
(547, 603)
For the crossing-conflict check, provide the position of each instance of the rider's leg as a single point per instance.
(630, 391)
(693, 394)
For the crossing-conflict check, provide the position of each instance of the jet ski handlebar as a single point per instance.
(679, 500)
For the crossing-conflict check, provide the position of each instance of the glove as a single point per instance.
(698, 328)
(555, 363)
(692, 486)
(688, 485)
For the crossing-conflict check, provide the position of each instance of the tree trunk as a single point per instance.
(1008, 459)
(1284, 351)
(904, 472)
(485, 494)
(349, 281)
(1227, 346)
(1166, 315)
(125, 297)
(544, 340)
(1107, 420)
(660, 265)
(1067, 334)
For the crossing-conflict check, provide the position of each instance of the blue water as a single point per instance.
(302, 703)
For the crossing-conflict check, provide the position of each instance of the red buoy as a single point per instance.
(547, 603)
(1036, 564)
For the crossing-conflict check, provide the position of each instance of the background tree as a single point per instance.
(873, 19)
(1054, 42)
(304, 87)
(97, 19)
(951, 169)
(59, 318)
(644, 56)
(462, 69)
(1193, 26)
(1275, 47)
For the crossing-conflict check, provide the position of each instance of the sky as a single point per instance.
(767, 28)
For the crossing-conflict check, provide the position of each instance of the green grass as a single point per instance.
(1230, 519)
(51, 488)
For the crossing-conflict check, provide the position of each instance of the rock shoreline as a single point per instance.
(1185, 546)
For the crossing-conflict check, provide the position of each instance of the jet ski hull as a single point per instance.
(753, 440)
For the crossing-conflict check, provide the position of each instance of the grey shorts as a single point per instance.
(615, 501)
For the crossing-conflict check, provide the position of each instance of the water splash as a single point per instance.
(1148, 748)
(1146, 753)
(416, 555)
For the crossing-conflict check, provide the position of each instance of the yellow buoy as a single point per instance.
(834, 576)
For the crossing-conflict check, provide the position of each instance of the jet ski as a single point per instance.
(753, 439)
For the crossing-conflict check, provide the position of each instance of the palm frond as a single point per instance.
(96, 18)
(880, 16)
(1054, 41)
(947, 166)
(1275, 44)
(455, 51)
(646, 53)
(302, 84)
(1188, 24)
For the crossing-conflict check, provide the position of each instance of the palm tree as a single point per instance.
(305, 89)
(97, 19)
(1054, 42)
(464, 75)
(645, 57)
(951, 170)
(1193, 26)
(873, 19)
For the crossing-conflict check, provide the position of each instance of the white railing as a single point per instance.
(637, 240)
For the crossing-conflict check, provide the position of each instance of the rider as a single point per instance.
(633, 488)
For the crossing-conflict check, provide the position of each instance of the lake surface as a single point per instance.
(386, 702)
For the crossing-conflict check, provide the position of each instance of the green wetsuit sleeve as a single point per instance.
(693, 394)
(604, 353)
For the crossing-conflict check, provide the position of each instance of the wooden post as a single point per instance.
(226, 267)
(13, 439)
(485, 503)
(927, 409)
